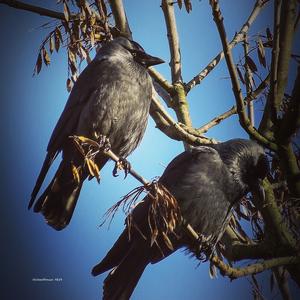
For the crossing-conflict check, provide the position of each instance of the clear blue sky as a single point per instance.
(30, 108)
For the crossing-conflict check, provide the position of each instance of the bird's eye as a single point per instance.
(134, 54)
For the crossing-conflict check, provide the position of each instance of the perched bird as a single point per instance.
(207, 182)
(110, 98)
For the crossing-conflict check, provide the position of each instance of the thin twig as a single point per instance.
(259, 4)
(243, 118)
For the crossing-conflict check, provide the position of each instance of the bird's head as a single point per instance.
(248, 163)
(137, 52)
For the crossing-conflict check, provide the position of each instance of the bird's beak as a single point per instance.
(147, 60)
(259, 190)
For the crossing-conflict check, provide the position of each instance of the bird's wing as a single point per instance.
(181, 164)
(86, 85)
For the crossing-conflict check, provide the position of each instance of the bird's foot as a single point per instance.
(122, 164)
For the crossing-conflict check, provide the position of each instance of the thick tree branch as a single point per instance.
(163, 82)
(269, 118)
(175, 63)
(171, 128)
(180, 103)
(243, 118)
(35, 9)
(237, 38)
(287, 22)
(119, 14)
(248, 81)
(290, 123)
(256, 268)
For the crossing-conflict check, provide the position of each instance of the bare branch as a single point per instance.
(259, 4)
(175, 63)
(287, 21)
(248, 99)
(243, 118)
(163, 82)
(291, 120)
(171, 128)
(248, 80)
(35, 9)
(256, 268)
(119, 14)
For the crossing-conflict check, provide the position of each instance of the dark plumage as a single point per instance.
(207, 182)
(112, 98)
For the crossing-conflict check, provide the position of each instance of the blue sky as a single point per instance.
(30, 108)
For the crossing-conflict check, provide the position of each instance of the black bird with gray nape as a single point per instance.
(207, 181)
(111, 98)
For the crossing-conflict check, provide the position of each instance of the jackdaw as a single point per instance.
(207, 181)
(110, 98)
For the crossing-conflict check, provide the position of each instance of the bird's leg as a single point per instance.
(122, 164)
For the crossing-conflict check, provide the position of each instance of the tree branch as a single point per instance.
(175, 63)
(171, 128)
(243, 118)
(163, 82)
(247, 100)
(234, 273)
(291, 120)
(119, 14)
(248, 81)
(287, 22)
(259, 4)
(35, 9)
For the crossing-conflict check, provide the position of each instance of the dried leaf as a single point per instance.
(188, 5)
(46, 56)
(69, 85)
(251, 64)
(57, 41)
(73, 68)
(84, 139)
(240, 75)
(179, 2)
(167, 241)
(38, 65)
(87, 9)
(76, 174)
(212, 271)
(261, 53)
(66, 12)
(51, 43)
(72, 55)
(82, 53)
(58, 32)
(93, 169)
(92, 38)
(269, 34)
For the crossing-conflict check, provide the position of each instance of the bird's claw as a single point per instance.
(122, 164)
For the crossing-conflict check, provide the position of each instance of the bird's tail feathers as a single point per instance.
(58, 201)
(46, 165)
(122, 280)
